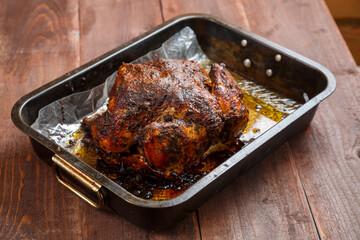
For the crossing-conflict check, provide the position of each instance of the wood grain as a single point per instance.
(269, 196)
(326, 155)
(347, 17)
(350, 30)
(344, 9)
(265, 203)
(107, 24)
(231, 10)
(38, 41)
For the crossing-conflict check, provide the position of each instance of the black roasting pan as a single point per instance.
(294, 76)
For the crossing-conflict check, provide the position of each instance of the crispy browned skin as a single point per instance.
(171, 111)
(229, 97)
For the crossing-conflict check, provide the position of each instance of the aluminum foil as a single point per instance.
(60, 119)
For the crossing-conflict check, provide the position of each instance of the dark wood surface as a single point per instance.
(309, 188)
(347, 17)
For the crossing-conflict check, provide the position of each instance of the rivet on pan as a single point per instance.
(306, 97)
(278, 57)
(269, 72)
(244, 42)
(247, 63)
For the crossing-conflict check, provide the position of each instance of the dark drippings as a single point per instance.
(263, 105)
(145, 184)
(148, 186)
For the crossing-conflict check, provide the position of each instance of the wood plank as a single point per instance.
(265, 203)
(344, 9)
(350, 30)
(38, 42)
(105, 25)
(285, 26)
(106, 224)
(327, 153)
(347, 17)
(231, 10)
(270, 195)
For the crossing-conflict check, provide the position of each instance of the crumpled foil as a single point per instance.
(60, 119)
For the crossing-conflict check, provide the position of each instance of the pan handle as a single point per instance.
(83, 179)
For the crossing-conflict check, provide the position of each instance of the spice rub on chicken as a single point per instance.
(171, 112)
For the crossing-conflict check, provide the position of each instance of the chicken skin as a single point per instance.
(171, 112)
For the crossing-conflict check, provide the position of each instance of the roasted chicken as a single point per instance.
(170, 113)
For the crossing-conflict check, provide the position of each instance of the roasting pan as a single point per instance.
(252, 56)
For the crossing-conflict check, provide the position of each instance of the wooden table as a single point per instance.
(307, 189)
